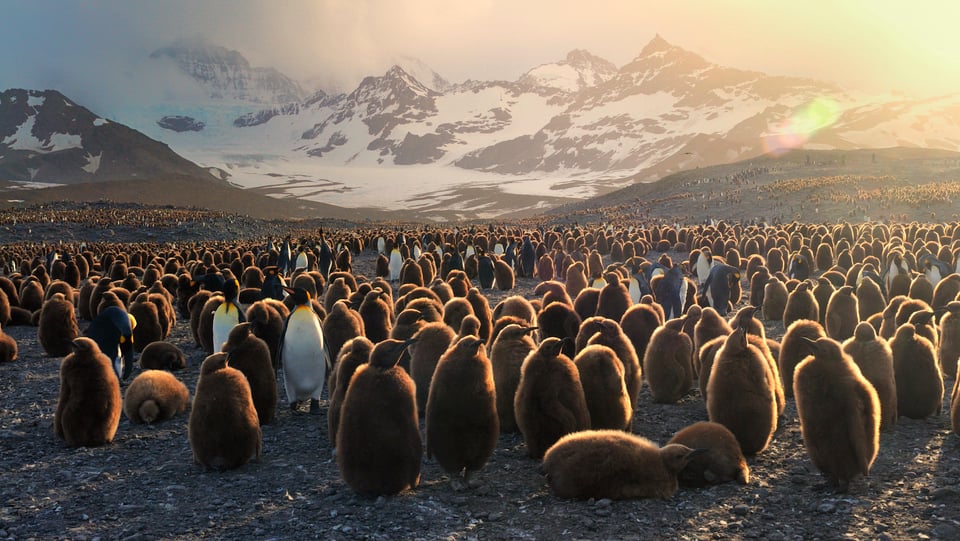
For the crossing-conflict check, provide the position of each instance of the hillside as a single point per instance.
(810, 185)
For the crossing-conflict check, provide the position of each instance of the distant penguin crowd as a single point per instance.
(437, 353)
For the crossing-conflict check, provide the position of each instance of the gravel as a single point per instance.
(145, 485)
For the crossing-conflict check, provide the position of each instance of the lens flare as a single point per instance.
(801, 126)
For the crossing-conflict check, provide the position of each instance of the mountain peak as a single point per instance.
(656, 45)
(227, 74)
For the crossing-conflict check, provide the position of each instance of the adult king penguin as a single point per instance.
(303, 356)
(112, 330)
(228, 314)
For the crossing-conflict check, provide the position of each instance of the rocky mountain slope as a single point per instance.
(46, 137)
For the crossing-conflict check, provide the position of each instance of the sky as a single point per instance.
(95, 49)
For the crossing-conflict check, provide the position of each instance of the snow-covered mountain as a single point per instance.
(224, 73)
(578, 127)
(47, 138)
(580, 69)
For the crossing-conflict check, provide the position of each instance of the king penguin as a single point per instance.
(228, 314)
(302, 355)
(396, 263)
(112, 330)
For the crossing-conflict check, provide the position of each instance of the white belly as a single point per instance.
(304, 365)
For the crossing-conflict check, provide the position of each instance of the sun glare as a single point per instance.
(801, 126)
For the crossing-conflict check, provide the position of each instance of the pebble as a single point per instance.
(741, 509)
(827, 507)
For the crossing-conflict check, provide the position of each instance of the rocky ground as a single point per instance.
(145, 486)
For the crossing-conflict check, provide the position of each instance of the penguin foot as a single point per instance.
(314, 406)
(294, 406)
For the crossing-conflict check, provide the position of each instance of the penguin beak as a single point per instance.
(811, 343)
(697, 452)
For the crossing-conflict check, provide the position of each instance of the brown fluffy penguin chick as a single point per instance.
(888, 327)
(88, 409)
(481, 309)
(251, 355)
(551, 292)
(641, 320)
(710, 326)
(822, 292)
(757, 336)
(758, 282)
(223, 429)
(948, 352)
(376, 316)
(611, 335)
(58, 326)
(517, 306)
(614, 298)
(839, 413)
(707, 355)
(503, 277)
(668, 363)
(613, 464)
(601, 375)
(793, 349)
(917, 373)
(469, 326)
(8, 348)
(842, 315)
(205, 327)
(431, 342)
(266, 319)
(923, 323)
(801, 304)
(148, 328)
(921, 289)
(510, 348)
(576, 279)
(740, 393)
(353, 354)
(378, 442)
(549, 402)
(155, 395)
(945, 291)
(875, 359)
(162, 356)
(195, 306)
(561, 321)
(455, 310)
(721, 461)
(870, 299)
(774, 299)
(340, 326)
(461, 422)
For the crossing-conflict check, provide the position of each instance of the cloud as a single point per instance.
(97, 49)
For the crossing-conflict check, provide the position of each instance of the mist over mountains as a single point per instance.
(562, 131)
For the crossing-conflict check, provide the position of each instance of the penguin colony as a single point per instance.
(593, 387)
